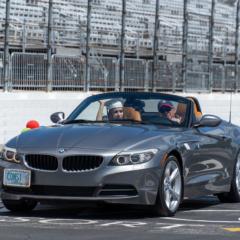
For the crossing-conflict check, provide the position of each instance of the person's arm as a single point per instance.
(100, 111)
(176, 119)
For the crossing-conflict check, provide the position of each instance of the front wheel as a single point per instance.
(170, 189)
(234, 194)
(19, 205)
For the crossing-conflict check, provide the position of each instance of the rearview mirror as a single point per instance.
(208, 121)
(57, 117)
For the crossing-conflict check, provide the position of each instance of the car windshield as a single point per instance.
(139, 108)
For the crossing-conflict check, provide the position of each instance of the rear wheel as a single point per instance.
(19, 205)
(234, 194)
(170, 189)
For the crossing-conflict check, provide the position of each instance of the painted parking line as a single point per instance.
(200, 220)
(212, 210)
(232, 229)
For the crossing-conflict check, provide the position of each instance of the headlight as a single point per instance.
(132, 158)
(11, 155)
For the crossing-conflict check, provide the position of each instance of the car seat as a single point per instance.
(181, 111)
(196, 108)
(131, 113)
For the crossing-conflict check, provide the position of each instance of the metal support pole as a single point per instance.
(146, 82)
(137, 45)
(122, 53)
(89, 15)
(174, 77)
(210, 50)
(184, 46)
(237, 48)
(6, 75)
(225, 63)
(155, 47)
(80, 36)
(81, 45)
(49, 46)
(116, 74)
(24, 40)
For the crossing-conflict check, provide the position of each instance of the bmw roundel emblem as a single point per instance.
(61, 150)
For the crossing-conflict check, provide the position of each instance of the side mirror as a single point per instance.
(57, 117)
(208, 121)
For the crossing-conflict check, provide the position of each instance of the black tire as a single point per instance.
(161, 207)
(234, 195)
(19, 205)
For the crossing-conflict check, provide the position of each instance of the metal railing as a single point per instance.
(168, 75)
(28, 71)
(134, 73)
(103, 72)
(68, 72)
(191, 44)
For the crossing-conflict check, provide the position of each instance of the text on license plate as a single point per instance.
(16, 178)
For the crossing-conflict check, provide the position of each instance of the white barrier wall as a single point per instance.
(18, 108)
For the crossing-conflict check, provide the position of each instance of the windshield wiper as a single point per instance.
(102, 121)
(127, 121)
(168, 123)
(82, 121)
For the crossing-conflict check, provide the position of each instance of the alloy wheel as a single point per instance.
(172, 186)
(237, 170)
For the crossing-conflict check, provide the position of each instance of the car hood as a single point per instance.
(90, 136)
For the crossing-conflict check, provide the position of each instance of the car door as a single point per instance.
(208, 163)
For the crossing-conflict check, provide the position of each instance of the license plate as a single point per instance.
(16, 178)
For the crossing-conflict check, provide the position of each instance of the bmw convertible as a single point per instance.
(147, 149)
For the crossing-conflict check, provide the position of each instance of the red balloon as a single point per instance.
(32, 124)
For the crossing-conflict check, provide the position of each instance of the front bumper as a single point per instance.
(116, 199)
(136, 184)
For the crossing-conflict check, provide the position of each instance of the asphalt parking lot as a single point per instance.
(203, 218)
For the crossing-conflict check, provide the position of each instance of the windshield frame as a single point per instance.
(138, 95)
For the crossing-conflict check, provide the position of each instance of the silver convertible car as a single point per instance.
(147, 149)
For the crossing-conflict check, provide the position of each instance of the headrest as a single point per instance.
(197, 113)
(131, 113)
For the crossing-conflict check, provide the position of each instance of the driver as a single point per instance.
(168, 111)
(114, 110)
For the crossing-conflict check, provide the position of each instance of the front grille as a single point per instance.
(81, 163)
(42, 162)
(66, 191)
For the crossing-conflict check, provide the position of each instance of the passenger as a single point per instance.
(114, 110)
(168, 111)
